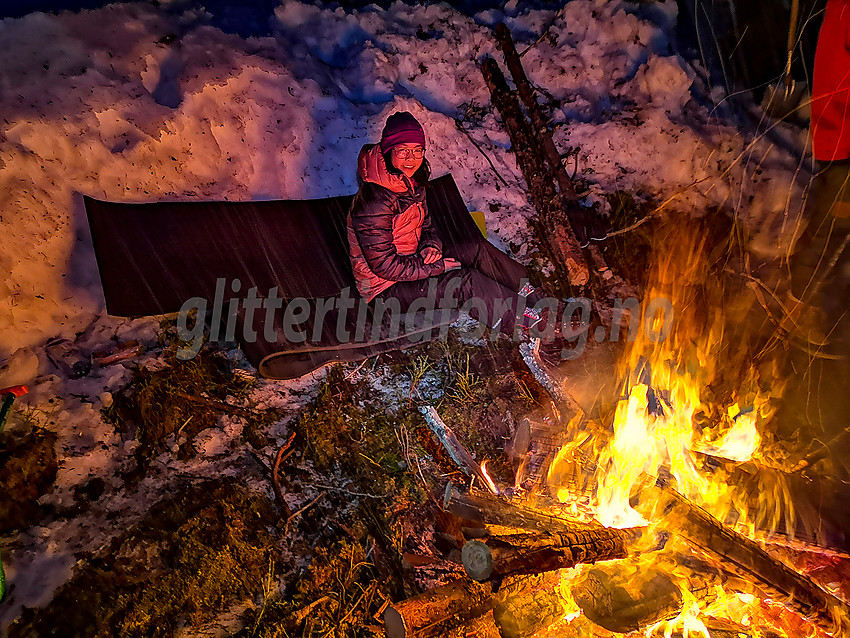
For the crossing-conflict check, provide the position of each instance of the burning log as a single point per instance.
(742, 556)
(459, 454)
(623, 597)
(557, 239)
(484, 509)
(519, 554)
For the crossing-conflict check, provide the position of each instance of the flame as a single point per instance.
(691, 394)
(491, 485)
(669, 410)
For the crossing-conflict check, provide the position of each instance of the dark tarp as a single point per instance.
(155, 257)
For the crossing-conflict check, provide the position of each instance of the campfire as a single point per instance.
(667, 513)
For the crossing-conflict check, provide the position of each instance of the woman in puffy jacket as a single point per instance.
(395, 250)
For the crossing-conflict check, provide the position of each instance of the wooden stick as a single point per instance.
(219, 405)
(459, 454)
(518, 554)
(741, 556)
(278, 493)
(531, 357)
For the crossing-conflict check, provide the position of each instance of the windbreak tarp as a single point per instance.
(153, 258)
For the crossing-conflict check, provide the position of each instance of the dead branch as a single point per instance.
(278, 493)
(541, 127)
(558, 241)
(247, 413)
(480, 150)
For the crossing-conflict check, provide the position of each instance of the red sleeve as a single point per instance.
(831, 85)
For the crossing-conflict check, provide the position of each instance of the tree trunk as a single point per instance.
(565, 254)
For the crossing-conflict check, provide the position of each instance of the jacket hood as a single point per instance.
(371, 167)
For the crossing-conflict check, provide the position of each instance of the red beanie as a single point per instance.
(401, 128)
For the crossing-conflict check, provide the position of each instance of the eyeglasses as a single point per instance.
(405, 153)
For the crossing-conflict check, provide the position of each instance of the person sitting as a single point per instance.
(396, 251)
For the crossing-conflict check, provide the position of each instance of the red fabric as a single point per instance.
(831, 87)
(387, 226)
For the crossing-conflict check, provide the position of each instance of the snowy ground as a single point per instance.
(134, 103)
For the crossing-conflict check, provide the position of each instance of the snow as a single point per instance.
(133, 103)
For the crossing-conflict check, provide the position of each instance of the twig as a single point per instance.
(480, 150)
(278, 493)
(302, 613)
(342, 489)
(219, 405)
(357, 603)
(303, 509)
(627, 229)
(353, 372)
(542, 35)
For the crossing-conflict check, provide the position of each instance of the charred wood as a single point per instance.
(519, 554)
(484, 509)
(741, 556)
(626, 597)
(458, 453)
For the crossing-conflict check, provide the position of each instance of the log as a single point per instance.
(505, 43)
(529, 604)
(519, 554)
(522, 606)
(741, 556)
(484, 509)
(625, 597)
(566, 190)
(566, 254)
(435, 612)
(458, 453)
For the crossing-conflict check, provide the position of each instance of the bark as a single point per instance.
(458, 453)
(436, 612)
(742, 557)
(484, 509)
(565, 253)
(625, 597)
(518, 554)
(541, 127)
(522, 606)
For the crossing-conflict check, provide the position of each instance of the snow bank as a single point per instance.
(131, 103)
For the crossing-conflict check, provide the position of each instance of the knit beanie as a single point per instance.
(401, 128)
